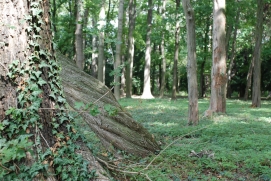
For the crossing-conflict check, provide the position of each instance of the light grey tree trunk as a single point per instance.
(101, 59)
(147, 70)
(256, 91)
(79, 49)
(176, 52)
(118, 51)
(94, 56)
(162, 50)
(219, 68)
(129, 67)
(193, 111)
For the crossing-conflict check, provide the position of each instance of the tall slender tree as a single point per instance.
(129, 67)
(101, 58)
(79, 49)
(147, 70)
(256, 91)
(176, 52)
(162, 50)
(118, 51)
(193, 112)
(219, 68)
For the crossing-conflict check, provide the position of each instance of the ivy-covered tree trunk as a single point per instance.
(38, 140)
(176, 52)
(193, 111)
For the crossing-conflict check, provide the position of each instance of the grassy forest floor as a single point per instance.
(233, 146)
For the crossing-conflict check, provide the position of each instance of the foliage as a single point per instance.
(24, 155)
(238, 139)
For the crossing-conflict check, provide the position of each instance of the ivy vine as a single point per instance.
(24, 152)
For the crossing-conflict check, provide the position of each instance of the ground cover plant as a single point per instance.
(231, 146)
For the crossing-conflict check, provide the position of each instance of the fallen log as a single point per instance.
(120, 129)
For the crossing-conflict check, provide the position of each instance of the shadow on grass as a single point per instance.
(239, 139)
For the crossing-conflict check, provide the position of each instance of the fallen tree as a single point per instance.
(119, 129)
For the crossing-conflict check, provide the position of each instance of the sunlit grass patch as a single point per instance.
(239, 139)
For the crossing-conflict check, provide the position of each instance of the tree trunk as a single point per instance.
(79, 49)
(129, 67)
(101, 59)
(176, 52)
(256, 93)
(232, 56)
(120, 130)
(118, 52)
(162, 50)
(249, 77)
(147, 70)
(30, 92)
(193, 111)
(94, 56)
(202, 64)
(219, 68)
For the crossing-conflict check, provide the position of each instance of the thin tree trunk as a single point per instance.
(193, 112)
(79, 49)
(249, 77)
(232, 56)
(147, 70)
(219, 68)
(101, 59)
(118, 52)
(94, 56)
(176, 52)
(256, 93)
(162, 50)
(129, 67)
(202, 65)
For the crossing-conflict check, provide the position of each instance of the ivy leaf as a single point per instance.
(41, 82)
(94, 111)
(38, 73)
(43, 64)
(61, 99)
(78, 105)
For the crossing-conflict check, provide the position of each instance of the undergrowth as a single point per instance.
(239, 141)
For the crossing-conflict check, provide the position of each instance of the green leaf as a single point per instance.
(41, 82)
(94, 111)
(78, 105)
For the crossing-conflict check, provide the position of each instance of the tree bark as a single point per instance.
(119, 130)
(193, 111)
(256, 91)
(94, 56)
(147, 70)
(31, 52)
(79, 49)
(118, 52)
(219, 68)
(131, 40)
(162, 50)
(101, 59)
(176, 52)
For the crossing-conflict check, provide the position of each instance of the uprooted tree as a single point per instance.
(38, 139)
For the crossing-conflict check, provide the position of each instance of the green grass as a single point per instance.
(240, 141)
